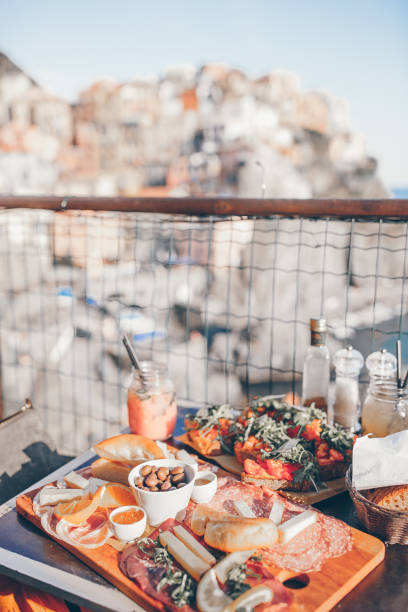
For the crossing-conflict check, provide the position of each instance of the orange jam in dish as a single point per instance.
(201, 481)
(128, 516)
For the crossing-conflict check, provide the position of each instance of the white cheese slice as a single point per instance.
(194, 545)
(183, 455)
(243, 509)
(95, 483)
(50, 496)
(276, 512)
(76, 481)
(289, 529)
(195, 566)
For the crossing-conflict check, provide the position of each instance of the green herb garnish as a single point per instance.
(184, 588)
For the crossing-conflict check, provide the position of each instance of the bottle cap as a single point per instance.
(318, 325)
(348, 362)
(382, 364)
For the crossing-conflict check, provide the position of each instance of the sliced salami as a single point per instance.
(337, 536)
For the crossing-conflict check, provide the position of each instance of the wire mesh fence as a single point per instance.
(225, 302)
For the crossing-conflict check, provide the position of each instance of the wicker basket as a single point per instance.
(390, 525)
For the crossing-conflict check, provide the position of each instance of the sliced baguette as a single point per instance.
(130, 448)
(240, 533)
(392, 498)
(112, 471)
(202, 514)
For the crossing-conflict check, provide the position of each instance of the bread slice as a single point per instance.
(130, 448)
(336, 469)
(392, 498)
(240, 533)
(112, 471)
(204, 445)
(274, 484)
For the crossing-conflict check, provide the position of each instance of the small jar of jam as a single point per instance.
(152, 407)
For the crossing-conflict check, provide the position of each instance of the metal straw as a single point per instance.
(399, 377)
(133, 358)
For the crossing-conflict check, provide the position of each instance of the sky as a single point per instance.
(354, 49)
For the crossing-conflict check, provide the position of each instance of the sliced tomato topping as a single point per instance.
(253, 468)
(336, 455)
(210, 435)
(270, 468)
(312, 430)
(293, 431)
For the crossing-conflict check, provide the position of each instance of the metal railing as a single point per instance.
(220, 289)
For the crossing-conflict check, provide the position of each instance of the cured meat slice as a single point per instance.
(92, 533)
(337, 536)
(138, 566)
(307, 551)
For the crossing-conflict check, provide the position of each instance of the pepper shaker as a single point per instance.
(348, 363)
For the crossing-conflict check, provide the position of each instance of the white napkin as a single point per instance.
(380, 462)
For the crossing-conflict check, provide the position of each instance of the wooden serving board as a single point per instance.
(230, 464)
(322, 591)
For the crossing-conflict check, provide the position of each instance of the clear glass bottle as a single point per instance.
(152, 407)
(385, 409)
(316, 368)
(348, 363)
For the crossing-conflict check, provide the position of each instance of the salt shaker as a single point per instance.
(348, 363)
(381, 366)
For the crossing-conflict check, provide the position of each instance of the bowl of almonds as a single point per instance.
(163, 488)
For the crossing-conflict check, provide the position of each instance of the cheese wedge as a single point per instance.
(243, 509)
(51, 496)
(276, 512)
(195, 566)
(289, 529)
(75, 481)
(194, 545)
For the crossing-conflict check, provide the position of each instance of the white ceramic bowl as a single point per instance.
(127, 531)
(202, 494)
(162, 505)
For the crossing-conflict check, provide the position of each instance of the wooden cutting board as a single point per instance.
(229, 463)
(321, 592)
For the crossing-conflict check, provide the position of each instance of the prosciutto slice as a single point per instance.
(92, 533)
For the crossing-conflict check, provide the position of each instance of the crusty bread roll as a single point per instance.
(240, 533)
(130, 448)
(113, 471)
(393, 498)
(202, 514)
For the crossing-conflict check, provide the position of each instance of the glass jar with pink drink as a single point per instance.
(152, 404)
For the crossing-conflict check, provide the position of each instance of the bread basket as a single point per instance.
(390, 525)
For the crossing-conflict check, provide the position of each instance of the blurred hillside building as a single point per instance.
(189, 132)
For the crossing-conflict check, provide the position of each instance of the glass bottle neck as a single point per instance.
(317, 338)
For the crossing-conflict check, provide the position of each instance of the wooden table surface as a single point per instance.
(30, 556)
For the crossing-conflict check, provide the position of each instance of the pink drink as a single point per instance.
(152, 406)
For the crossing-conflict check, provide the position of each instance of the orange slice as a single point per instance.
(114, 495)
(76, 511)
